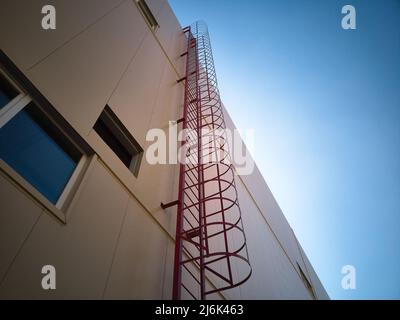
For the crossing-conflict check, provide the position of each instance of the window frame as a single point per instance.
(16, 105)
(147, 14)
(123, 136)
(16, 88)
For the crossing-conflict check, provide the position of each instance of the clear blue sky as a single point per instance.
(325, 106)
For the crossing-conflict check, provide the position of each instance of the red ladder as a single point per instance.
(210, 248)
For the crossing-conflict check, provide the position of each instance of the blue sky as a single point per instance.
(325, 106)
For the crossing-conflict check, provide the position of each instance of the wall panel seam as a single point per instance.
(20, 248)
(116, 247)
(131, 60)
(76, 35)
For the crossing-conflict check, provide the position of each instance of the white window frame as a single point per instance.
(11, 109)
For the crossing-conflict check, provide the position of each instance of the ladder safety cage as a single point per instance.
(210, 249)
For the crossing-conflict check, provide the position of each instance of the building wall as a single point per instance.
(113, 240)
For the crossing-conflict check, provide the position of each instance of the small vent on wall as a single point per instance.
(147, 14)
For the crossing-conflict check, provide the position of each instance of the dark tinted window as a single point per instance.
(106, 134)
(119, 139)
(35, 148)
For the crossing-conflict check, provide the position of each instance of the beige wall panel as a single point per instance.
(264, 198)
(18, 215)
(153, 187)
(169, 102)
(171, 37)
(134, 99)
(231, 294)
(168, 270)
(81, 251)
(80, 77)
(28, 42)
(172, 211)
(138, 267)
(273, 214)
(111, 160)
(273, 276)
(179, 47)
(155, 6)
(155, 182)
(238, 271)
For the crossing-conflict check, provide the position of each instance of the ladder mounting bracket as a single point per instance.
(169, 204)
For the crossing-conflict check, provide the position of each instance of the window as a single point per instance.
(35, 148)
(34, 145)
(120, 141)
(306, 282)
(146, 12)
(7, 91)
